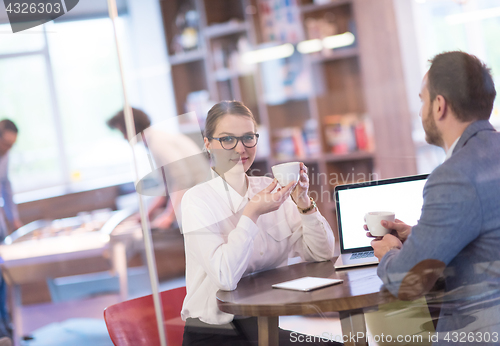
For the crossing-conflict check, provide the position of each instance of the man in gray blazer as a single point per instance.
(458, 234)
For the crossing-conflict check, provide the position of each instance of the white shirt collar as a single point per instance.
(233, 199)
(450, 151)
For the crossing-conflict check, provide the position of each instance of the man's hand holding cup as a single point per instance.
(388, 231)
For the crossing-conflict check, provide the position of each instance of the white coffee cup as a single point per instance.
(373, 218)
(286, 172)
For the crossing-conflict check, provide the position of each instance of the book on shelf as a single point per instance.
(311, 138)
(296, 142)
(288, 143)
(227, 56)
(284, 80)
(279, 20)
(199, 103)
(348, 133)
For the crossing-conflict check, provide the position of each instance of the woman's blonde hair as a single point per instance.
(222, 108)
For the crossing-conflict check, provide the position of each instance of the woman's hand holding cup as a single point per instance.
(300, 195)
(296, 172)
(266, 201)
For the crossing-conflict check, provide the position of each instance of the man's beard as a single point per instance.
(432, 134)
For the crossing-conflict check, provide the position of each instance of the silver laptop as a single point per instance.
(400, 195)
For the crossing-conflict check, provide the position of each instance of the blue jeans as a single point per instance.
(5, 329)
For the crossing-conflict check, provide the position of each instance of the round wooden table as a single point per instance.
(255, 296)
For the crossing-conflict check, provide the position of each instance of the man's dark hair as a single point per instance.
(8, 125)
(141, 121)
(465, 83)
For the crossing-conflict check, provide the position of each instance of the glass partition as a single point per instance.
(111, 112)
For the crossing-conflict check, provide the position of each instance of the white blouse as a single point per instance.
(222, 245)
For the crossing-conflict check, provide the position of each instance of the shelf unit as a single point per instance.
(312, 7)
(185, 58)
(333, 83)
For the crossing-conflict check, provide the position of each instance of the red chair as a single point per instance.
(133, 322)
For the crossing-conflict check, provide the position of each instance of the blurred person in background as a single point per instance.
(9, 219)
(9, 216)
(187, 166)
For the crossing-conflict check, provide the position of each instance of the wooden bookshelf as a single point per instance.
(364, 78)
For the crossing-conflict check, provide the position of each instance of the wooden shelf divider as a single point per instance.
(187, 57)
(321, 7)
(357, 155)
(336, 54)
(225, 29)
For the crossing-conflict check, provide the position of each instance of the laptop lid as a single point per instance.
(400, 195)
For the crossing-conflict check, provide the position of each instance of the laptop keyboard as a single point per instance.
(364, 254)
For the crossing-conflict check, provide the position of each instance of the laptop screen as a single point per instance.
(400, 195)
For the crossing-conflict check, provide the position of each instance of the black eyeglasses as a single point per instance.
(230, 142)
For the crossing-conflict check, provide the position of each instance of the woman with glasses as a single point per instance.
(235, 225)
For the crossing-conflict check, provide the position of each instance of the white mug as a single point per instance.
(373, 218)
(286, 172)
